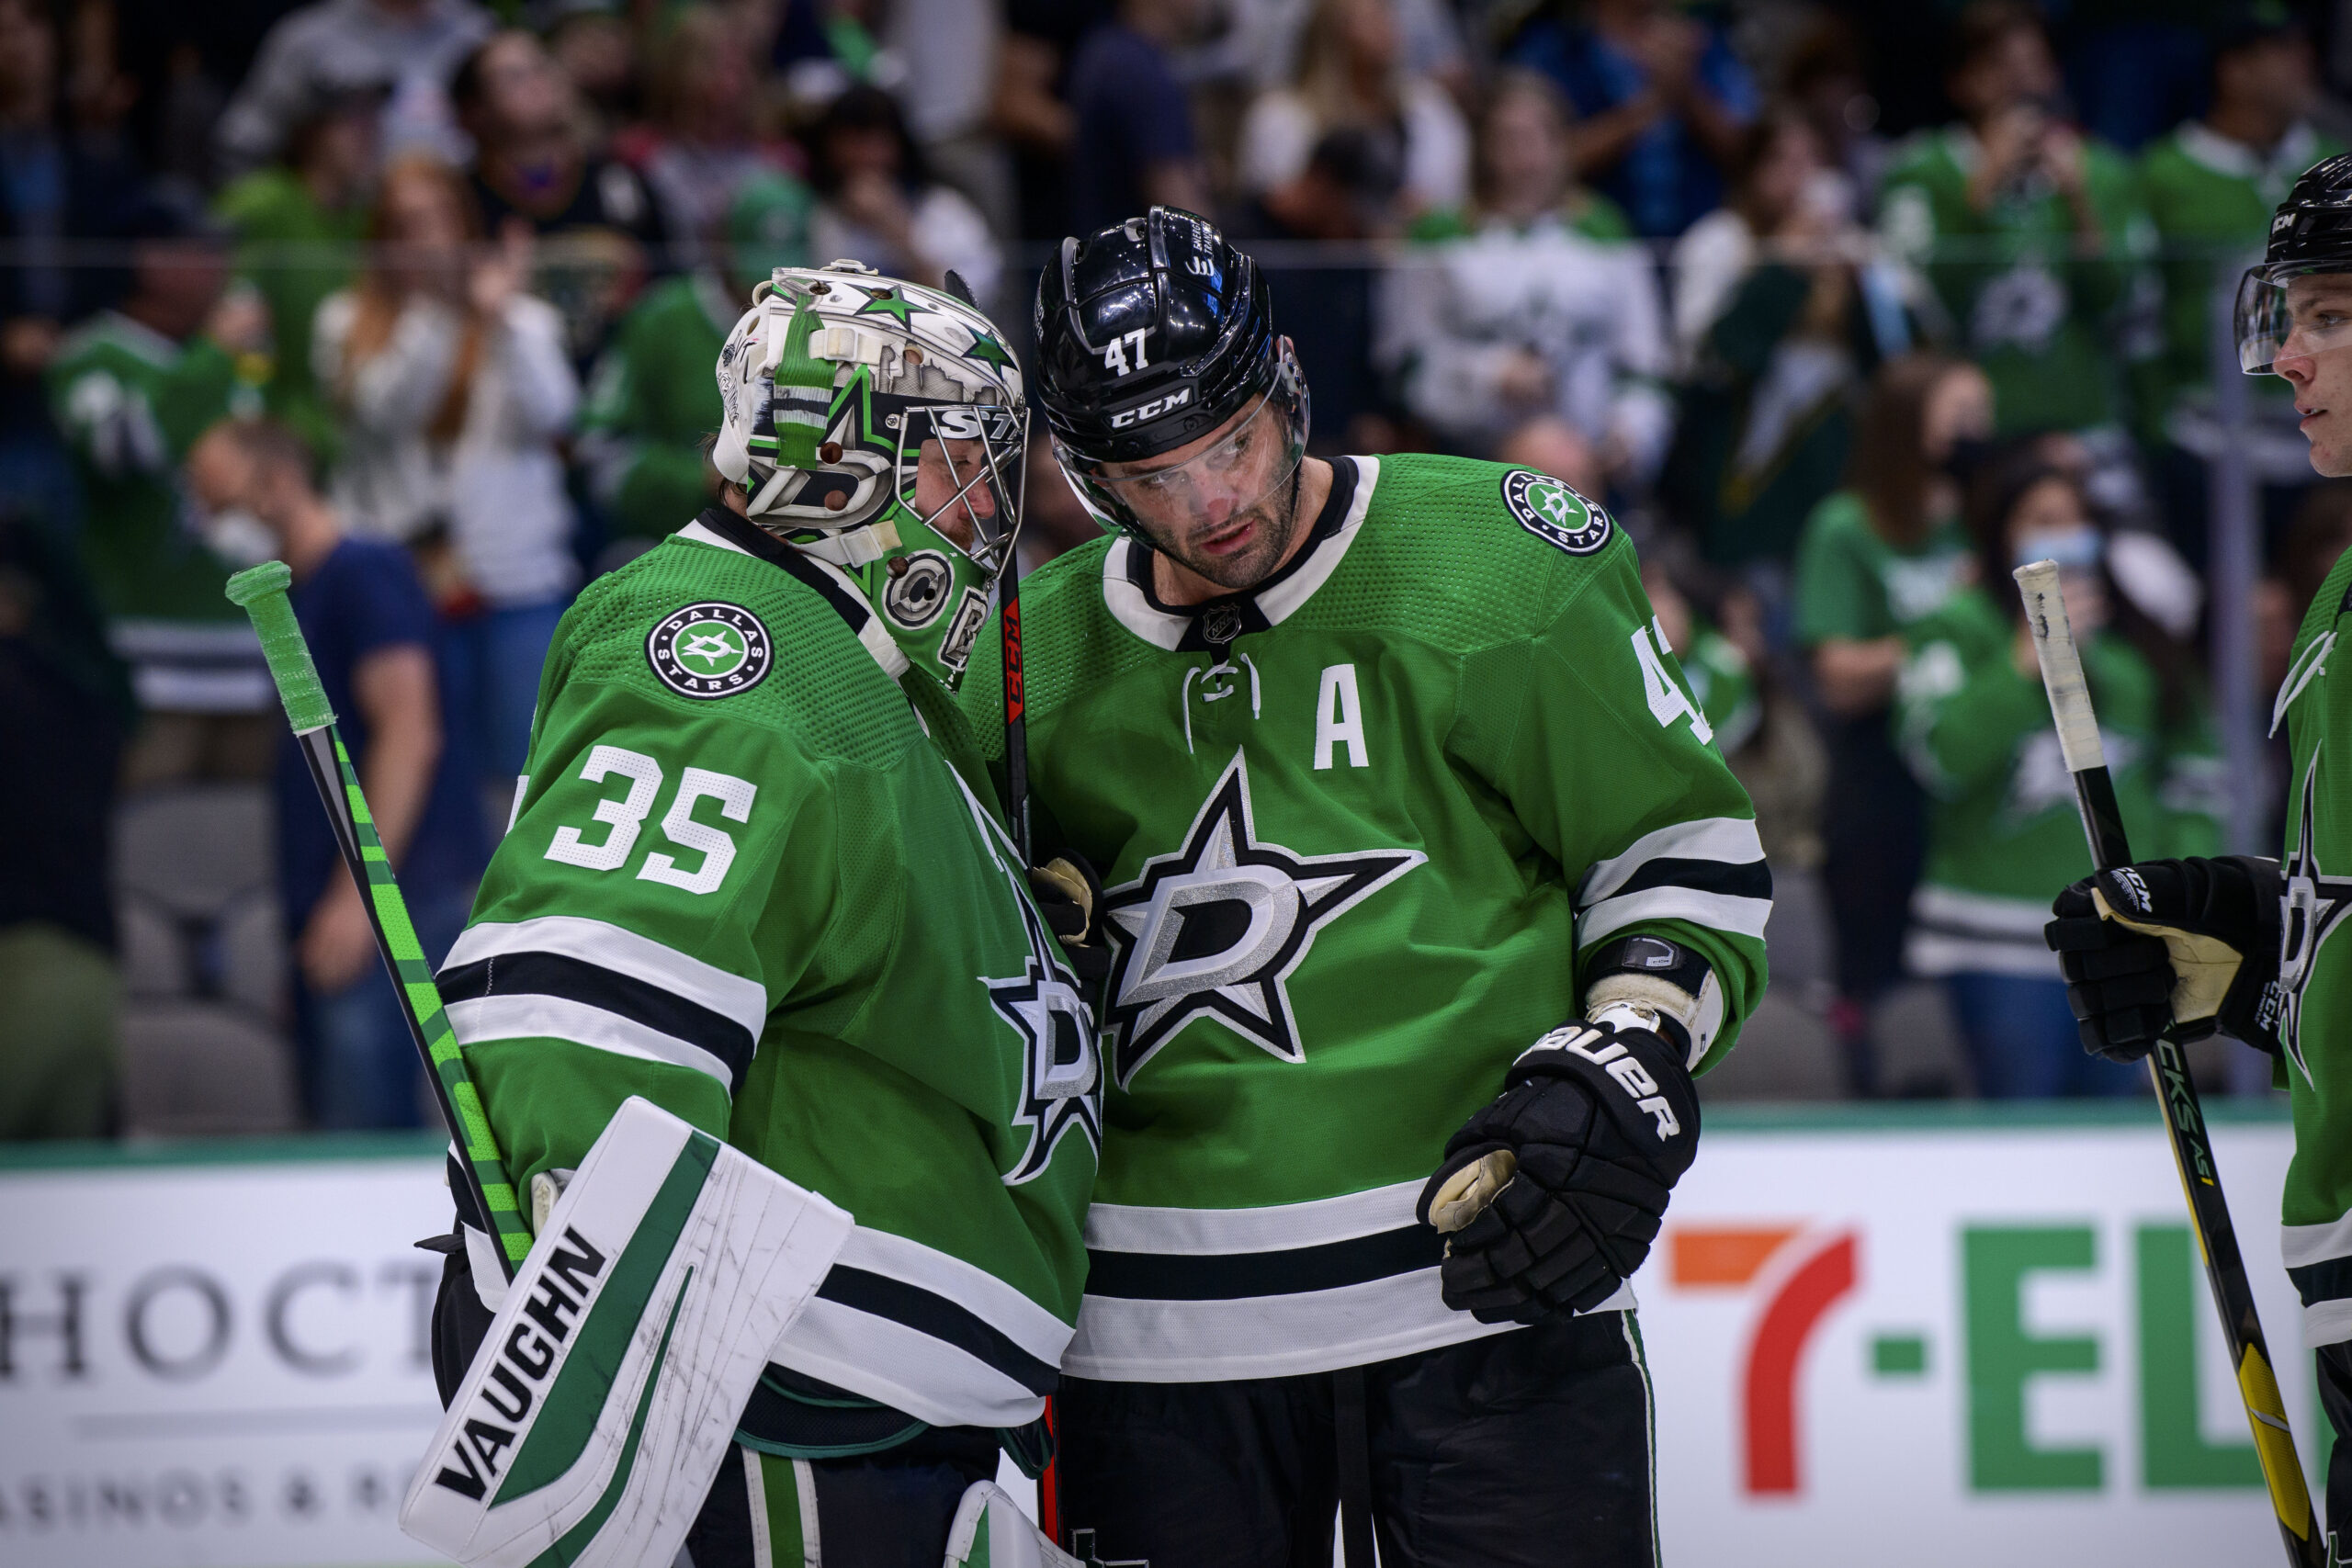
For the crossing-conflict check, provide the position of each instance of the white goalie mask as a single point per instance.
(880, 425)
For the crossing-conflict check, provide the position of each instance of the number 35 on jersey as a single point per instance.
(698, 852)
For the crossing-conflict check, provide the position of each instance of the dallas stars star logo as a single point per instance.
(711, 647)
(1216, 929)
(891, 302)
(1061, 1088)
(1063, 1084)
(2316, 905)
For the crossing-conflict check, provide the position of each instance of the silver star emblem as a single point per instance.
(1216, 929)
(713, 646)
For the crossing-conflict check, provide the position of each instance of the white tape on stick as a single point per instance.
(2061, 666)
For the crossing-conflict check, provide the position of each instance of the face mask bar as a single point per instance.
(1273, 435)
(960, 470)
(2288, 311)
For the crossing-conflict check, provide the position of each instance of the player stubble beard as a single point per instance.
(1277, 527)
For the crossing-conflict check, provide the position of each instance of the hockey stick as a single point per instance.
(2192, 1149)
(261, 590)
(1016, 722)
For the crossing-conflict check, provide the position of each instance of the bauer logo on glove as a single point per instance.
(1552, 1194)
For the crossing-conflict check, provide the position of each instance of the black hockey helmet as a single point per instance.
(2311, 232)
(1151, 334)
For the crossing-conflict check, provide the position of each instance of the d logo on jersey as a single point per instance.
(1062, 1076)
(1215, 928)
(2316, 905)
(1064, 1080)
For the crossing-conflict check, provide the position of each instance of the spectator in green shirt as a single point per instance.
(298, 224)
(651, 401)
(1876, 556)
(130, 389)
(2211, 186)
(2002, 834)
(2028, 230)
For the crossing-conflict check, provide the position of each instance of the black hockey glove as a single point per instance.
(2188, 944)
(1553, 1193)
(1069, 894)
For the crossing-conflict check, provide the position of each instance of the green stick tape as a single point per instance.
(262, 590)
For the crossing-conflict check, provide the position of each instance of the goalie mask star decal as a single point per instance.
(1216, 929)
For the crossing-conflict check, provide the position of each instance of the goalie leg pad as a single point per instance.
(990, 1531)
(604, 1398)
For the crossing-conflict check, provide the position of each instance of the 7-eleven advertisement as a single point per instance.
(1939, 1341)
(1877, 1338)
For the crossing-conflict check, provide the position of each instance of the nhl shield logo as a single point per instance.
(711, 649)
(1553, 512)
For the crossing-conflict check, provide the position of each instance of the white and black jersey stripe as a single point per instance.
(2319, 1260)
(928, 1334)
(601, 985)
(1709, 871)
(1190, 1295)
(1957, 933)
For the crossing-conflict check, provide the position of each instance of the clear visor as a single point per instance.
(2291, 314)
(960, 470)
(1233, 473)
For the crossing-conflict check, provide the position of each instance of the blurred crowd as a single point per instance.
(1843, 308)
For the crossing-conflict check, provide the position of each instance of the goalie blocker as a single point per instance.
(592, 1421)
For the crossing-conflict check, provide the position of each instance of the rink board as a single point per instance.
(1932, 1338)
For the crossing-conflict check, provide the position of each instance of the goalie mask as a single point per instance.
(878, 424)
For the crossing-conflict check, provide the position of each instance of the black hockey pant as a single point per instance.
(1528, 1447)
(883, 1510)
(2335, 1398)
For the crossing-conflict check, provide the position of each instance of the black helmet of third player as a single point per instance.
(1152, 334)
(2311, 233)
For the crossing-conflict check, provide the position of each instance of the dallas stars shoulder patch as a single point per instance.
(711, 649)
(1216, 927)
(1553, 512)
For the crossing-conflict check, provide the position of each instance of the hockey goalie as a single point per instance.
(788, 1060)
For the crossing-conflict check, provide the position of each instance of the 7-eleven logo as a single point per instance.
(1800, 1276)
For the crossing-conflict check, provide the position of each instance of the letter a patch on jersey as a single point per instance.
(1215, 928)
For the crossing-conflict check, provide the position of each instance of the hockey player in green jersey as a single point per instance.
(743, 883)
(1430, 895)
(2253, 946)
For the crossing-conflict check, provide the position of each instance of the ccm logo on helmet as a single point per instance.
(1152, 410)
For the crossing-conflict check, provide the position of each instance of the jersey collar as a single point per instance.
(722, 529)
(1126, 571)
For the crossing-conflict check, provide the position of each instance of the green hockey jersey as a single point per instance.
(2035, 313)
(295, 253)
(2210, 199)
(1352, 869)
(1851, 583)
(742, 883)
(2003, 836)
(2316, 970)
(651, 401)
(130, 403)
